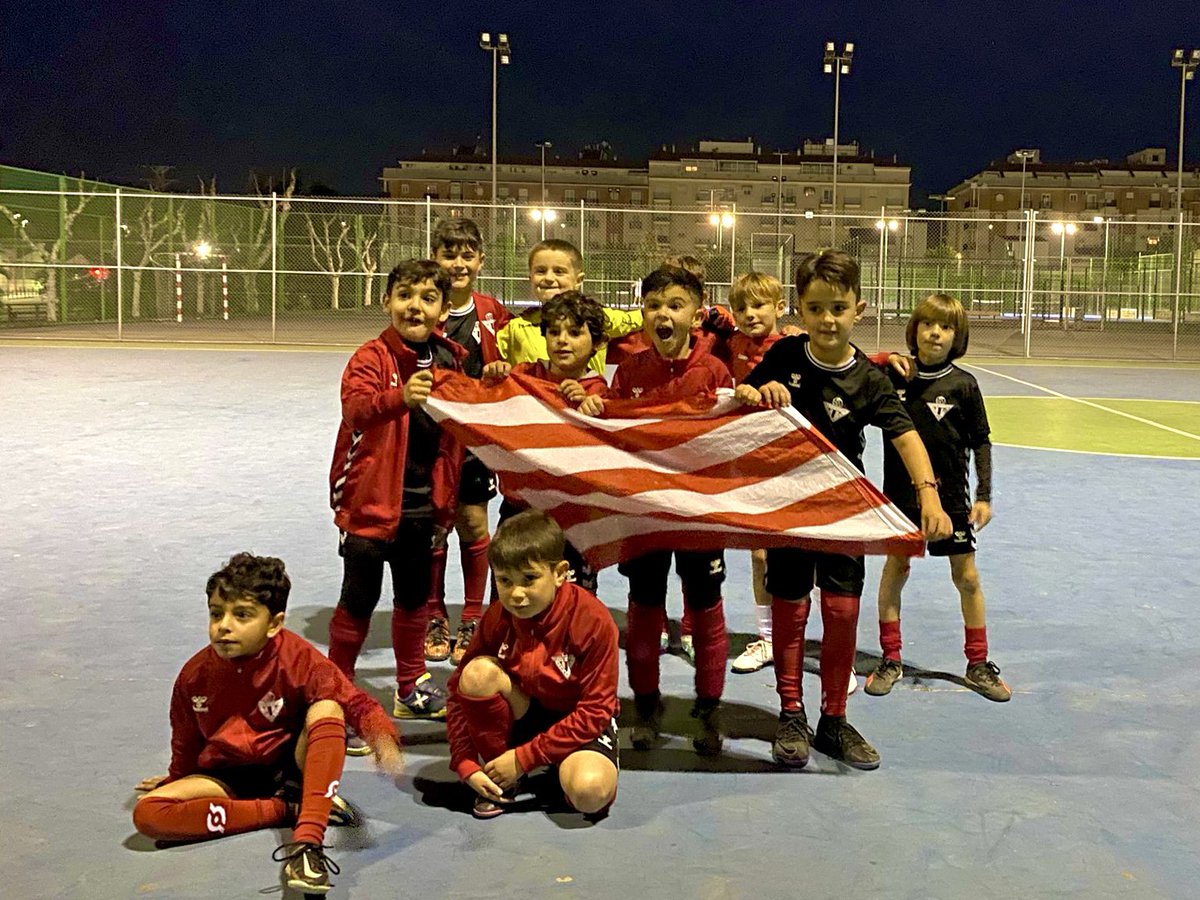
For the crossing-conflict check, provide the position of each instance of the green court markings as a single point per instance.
(1123, 427)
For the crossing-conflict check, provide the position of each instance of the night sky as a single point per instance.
(341, 89)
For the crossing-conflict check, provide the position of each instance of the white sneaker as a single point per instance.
(853, 686)
(756, 655)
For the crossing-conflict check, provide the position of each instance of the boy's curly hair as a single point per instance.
(414, 271)
(259, 578)
(578, 309)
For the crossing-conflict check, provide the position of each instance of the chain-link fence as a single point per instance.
(98, 263)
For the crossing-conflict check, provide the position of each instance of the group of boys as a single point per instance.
(536, 677)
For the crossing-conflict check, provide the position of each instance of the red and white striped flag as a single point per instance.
(700, 475)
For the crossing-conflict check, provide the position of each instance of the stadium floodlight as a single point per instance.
(1186, 62)
(202, 249)
(836, 64)
(501, 51)
(1025, 156)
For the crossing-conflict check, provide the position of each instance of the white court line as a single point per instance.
(1092, 452)
(1112, 399)
(1115, 412)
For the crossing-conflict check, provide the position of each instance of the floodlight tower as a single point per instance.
(836, 64)
(501, 56)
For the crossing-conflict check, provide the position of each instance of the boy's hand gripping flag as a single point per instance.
(705, 474)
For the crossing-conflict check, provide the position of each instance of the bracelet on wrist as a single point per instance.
(920, 485)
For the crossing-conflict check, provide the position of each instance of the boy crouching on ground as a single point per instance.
(257, 708)
(538, 686)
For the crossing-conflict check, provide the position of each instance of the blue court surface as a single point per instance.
(132, 474)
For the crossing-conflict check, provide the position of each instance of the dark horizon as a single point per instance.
(110, 87)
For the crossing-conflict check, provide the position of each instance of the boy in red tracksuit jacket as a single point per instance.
(474, 321)
(257, 708)
(394, 482)
(538, 686)
(679, 367)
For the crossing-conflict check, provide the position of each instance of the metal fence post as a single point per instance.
(274, 260)
(733, 250)
(582, 229)
(879, 288)
(120, 293)
(1027, 288)
(1178, 283)
(429, 227)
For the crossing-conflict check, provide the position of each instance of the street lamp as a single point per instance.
(1062, 230)
(1025, 156)
(779, 180)
(1186, 62)
(837, 65)
(501, 55)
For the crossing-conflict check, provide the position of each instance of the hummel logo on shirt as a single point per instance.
(939, 407)
(199, 704)
(716, 566)
(794, 380)
(270, 706)
(835, 409)
(902, 393)
(637, 392)
(564, 662)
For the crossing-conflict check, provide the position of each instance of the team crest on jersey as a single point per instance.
(637, 392)
(794, 380)
(475, 331)
(395, 379)
(563, 662)
(503, 651)
(199, 704)
(270, 706)
(836, 409)
(939, 407)
(489, 322)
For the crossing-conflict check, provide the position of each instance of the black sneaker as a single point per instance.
(708, 714)
(839, 740)
(790, 747)
(487, 808)
(984, 678)
(881, 680)
(306, 868)
(648, 709)
(342, 813)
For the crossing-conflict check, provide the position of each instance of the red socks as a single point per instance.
(788, 621)
(168, 819)
(643, 626)
(889, 639)
(489, 722)
(686, 623)
(346, 637)
(437, 584)
(475, 577)
(323, 761)
(408, 644)
(712, 651)
(975, 645)
(839, 616)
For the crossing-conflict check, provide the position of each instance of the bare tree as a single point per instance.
(153, 231)
(50, 254)
(258, 244)
(331, 249)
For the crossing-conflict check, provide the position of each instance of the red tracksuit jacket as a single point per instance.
(647, 376)
(565, 658)
(366, 478)
(248, 711)
(592, 382)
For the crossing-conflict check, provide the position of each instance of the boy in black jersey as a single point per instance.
(473, 323)
(947, 408)
(840, 392)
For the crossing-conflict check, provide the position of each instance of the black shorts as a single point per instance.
(538, 719)
(258, 782)
(477, 484)
(701, 571)
(961, 540)
(791, 573)
(409, 556)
